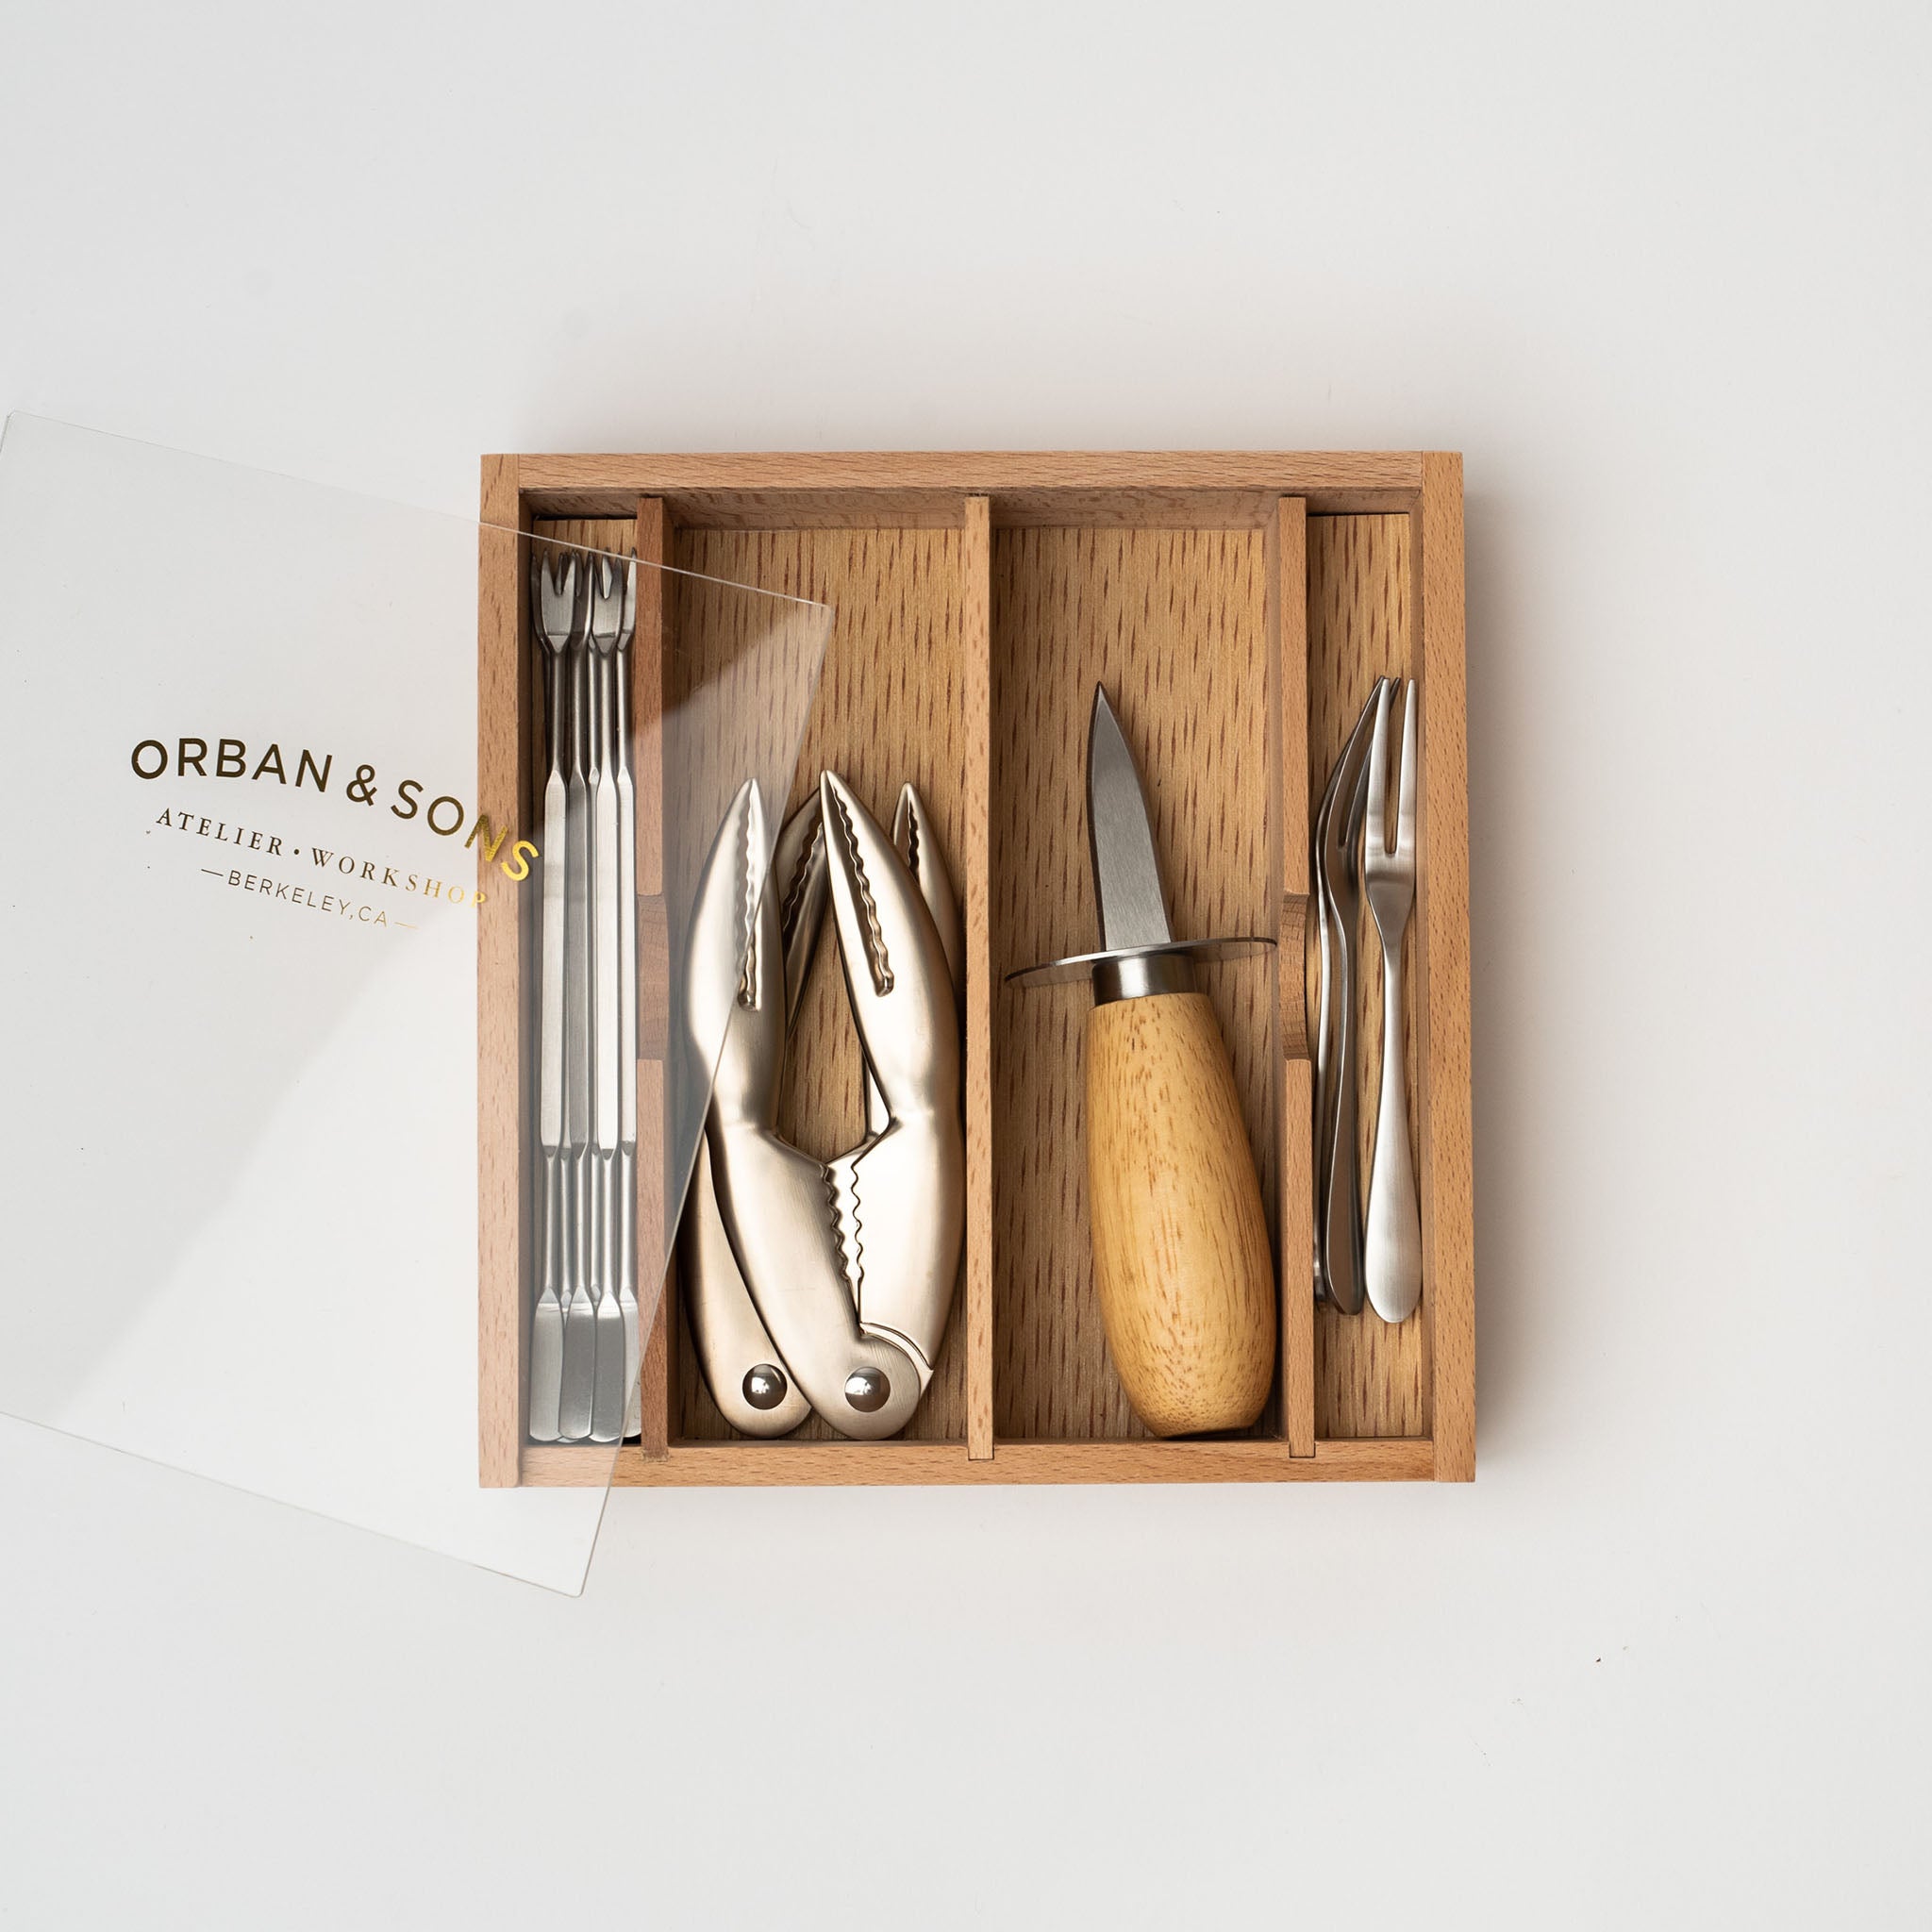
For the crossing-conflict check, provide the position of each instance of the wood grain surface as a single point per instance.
(502, 1232)
(891, 705)
(1447, 1071)
(1167, 489)
(1370, 1379)
(1214, 1459)
(973, 879)
(1291, 864)
(1173, 621)
(657, 1312)
(1181, 1261)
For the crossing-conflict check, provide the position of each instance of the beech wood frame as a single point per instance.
(976, 493)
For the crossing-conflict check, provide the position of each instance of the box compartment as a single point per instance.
(1174, 622)
(890, 707)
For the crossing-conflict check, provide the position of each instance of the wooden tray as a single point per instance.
(1239, 607)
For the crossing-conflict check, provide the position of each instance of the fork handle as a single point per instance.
(1180, 1247)
(1393, 1247)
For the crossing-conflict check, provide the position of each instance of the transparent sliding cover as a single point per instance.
(353, 1087)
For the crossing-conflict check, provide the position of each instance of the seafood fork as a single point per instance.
(1337, 889)
(1392, 1248)
(610, 1395)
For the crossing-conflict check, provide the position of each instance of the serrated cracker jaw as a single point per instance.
(914, 840)
(896, 973)
(735, 975)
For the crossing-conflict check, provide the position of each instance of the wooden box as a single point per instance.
(1238, 607)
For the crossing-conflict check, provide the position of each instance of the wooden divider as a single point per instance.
(1174, 622)
(1287, 650)
(503, 1234)
(654, 539)
(976, 586)
(890, 707)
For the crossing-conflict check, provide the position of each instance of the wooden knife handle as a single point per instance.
(1180, 1247)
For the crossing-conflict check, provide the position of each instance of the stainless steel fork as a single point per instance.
(610, 1396)
(1393, 1247)
(1337, 905)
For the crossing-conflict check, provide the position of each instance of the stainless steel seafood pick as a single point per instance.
(584, 1346)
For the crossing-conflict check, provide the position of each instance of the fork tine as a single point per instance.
(1375, 838)
(1405, 806)
(555, 581)
(1338, 822)
(600, 590)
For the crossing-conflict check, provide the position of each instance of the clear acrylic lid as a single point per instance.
(253, 1211)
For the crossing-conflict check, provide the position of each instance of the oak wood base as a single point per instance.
(790, 1462)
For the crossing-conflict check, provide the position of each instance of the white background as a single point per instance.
(1662, 274)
